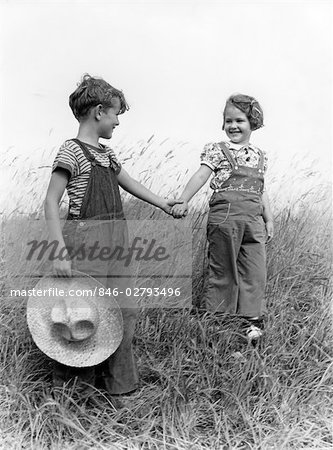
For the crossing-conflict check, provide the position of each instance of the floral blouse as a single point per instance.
(213, 157)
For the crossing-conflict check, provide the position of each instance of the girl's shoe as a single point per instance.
(253, 333)
(253, 329)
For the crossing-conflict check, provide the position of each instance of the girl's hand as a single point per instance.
(269, 231)
(167, 204)
(179, 211)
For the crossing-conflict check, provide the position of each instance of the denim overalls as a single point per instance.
(102, 220)
(236, 237)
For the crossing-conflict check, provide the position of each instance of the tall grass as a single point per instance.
(202, 385)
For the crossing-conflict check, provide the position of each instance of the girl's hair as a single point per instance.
(249, 106)
(92, 92)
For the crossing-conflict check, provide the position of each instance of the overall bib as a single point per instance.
(236, 238)
(102, 220)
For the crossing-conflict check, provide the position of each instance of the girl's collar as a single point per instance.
(238, 146)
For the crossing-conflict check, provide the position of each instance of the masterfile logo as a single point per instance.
(155, 256)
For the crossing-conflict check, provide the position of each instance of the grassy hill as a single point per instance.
(202, 385)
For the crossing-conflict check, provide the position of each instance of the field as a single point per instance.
(195, 392)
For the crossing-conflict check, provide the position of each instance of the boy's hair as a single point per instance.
(92, 92)
(249, 106)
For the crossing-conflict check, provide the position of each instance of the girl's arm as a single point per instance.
(138, 190)
(195, 183)
(268, 217)
(55, 191)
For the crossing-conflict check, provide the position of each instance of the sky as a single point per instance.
(176, 62)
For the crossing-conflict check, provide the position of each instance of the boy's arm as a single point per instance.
(138, 190)
(55, 191)
(198, 179)
(268, 217)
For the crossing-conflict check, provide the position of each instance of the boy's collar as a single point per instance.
(100, 149)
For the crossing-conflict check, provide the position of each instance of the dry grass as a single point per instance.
(194, 393)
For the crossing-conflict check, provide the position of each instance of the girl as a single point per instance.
(240, 220)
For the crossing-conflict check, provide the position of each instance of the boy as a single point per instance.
(92, 174)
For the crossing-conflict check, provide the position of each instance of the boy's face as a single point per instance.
(109, 119)
(237, 125)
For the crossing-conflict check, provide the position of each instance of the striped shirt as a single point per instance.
(71, 158)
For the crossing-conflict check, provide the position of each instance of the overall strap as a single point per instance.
(90, 157)
(227, 154)
(261, 162)
(112, 163)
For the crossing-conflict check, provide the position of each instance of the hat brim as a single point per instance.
(90, 352)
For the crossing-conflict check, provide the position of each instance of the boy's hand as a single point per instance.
(62, 268)
(169, 203)
(269, 231)
(179, 211)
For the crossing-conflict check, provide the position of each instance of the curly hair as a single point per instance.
(249, 106)
(92, 92)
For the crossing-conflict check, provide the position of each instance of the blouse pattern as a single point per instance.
(213, 157)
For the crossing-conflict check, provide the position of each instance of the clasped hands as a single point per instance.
(176, 207)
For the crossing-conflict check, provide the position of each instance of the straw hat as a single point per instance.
(71, 323)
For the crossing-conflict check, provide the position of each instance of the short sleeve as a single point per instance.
(116, 165)
(265, 161)
(264, 154)
(66, 159)
(212, 156)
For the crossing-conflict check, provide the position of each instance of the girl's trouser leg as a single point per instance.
(237, 272)
(221, 288)
(252, 271)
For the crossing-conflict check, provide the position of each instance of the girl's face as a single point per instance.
(237, 125)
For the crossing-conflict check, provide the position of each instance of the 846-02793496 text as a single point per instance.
(141, 292)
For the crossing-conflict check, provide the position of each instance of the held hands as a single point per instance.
(181, 210)
(269, 231)
(168, 204)
(176, 207)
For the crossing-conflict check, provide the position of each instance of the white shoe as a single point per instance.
(253, 333)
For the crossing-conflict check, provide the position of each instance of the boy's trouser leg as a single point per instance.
(82, 377)
(119, 371)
